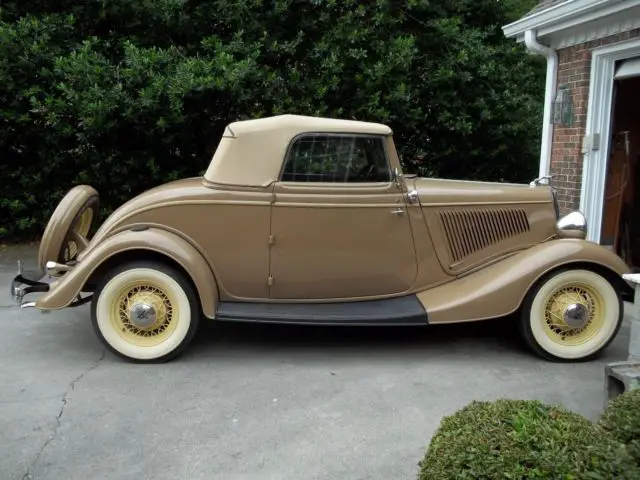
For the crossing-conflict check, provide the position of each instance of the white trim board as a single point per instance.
(594, 166)
(566, 15)
(628, 69)
(602, 28)
(577, 21)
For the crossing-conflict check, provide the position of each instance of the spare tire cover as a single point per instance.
(78, 210)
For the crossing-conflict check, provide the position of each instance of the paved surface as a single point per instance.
(249, 402)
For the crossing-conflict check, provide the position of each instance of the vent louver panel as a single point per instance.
(469, 231)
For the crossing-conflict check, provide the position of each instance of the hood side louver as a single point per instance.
(468, 231)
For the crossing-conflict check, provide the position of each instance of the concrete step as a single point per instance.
(621, 377)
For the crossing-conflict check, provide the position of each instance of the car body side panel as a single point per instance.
(335, 241)
(63, 291)
(499, 289)
(466, 237)
(472, 223)
(235, 245)
(229, 226)
(430, 272)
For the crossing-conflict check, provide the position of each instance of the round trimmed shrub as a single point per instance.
(621, 419)
(522, 439)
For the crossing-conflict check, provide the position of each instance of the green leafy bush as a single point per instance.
(126, 95)
(520, 439)
(621, 419)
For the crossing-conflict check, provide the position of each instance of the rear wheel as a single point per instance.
(145, 311)
(571, 315)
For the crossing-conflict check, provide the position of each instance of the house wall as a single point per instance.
(574, 69)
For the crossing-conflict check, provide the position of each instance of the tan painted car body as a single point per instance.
(466, 250)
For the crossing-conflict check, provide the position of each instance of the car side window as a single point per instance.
(337, 159)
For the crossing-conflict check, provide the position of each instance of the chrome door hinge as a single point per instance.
(272, 239)
(270, 281)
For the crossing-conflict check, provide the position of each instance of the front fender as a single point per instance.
(63, 291)
(500, 288)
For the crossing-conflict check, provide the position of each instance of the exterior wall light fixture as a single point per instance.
(563, 107)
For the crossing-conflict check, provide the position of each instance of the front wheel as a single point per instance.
(145, 311)
(571, 315)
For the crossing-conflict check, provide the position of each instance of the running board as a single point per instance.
(398, 311)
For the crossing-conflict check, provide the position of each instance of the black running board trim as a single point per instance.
(398, 311)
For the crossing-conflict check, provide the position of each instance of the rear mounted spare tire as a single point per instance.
(69, 227)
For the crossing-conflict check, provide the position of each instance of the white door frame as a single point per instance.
(594, 161)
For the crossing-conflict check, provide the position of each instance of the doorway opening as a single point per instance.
(620, 228)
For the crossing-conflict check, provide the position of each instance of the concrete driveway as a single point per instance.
(255, 402)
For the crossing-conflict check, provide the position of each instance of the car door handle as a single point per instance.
(397, 211)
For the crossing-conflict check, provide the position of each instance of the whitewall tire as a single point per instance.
(145, 311)
(571, 315)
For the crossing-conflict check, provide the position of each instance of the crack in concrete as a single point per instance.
(65, 402)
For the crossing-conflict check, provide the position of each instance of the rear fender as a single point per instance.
(500, 288)
(63, 291)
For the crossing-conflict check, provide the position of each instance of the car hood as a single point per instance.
(432, 191)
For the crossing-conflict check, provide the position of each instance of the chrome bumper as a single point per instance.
(22, 285)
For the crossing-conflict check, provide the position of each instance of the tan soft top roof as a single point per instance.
(251, 152)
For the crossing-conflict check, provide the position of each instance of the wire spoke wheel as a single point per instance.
(571, 315)
(68, 232)
(145, 311)
(77, 239)
(144, 314)
(587, 307)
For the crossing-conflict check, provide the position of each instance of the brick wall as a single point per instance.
(574, 70)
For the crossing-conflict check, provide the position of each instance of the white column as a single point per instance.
(634, 340)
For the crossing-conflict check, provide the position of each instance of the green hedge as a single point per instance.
(125, 95)
(621, 419)
(520, 439)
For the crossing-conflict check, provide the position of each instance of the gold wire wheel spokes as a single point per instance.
(573, 314)
(144, 315)
(77, 239)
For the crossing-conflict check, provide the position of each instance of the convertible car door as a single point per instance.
(339, 226)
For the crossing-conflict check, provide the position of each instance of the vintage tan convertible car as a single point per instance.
(310, 220)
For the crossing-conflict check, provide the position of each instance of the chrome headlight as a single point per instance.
(572, 225)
